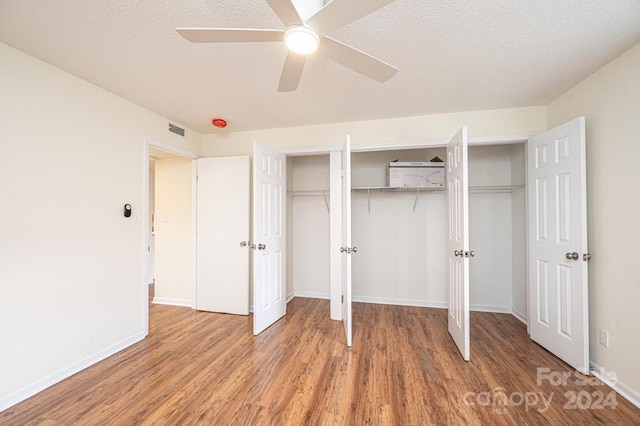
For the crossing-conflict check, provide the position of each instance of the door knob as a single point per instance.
(243, 243)
(343, 249)
(354, 249)
(458, 253)
(261, 247)
(572, 256)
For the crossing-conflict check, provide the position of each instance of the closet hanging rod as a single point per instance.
(310, 193)
(495, 187)
(478, 188)
(375, 189)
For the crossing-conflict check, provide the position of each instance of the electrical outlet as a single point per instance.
(604, 338)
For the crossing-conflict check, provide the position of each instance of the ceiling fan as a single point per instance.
(304, 36)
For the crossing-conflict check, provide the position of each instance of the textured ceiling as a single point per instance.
(452, 56)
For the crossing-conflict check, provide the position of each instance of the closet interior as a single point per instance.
(401, 234)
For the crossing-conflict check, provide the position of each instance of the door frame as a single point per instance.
(147, 144)
(336, 150)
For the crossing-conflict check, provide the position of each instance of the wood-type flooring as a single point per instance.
(403, 369)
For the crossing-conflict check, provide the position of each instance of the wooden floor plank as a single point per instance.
(403, 368)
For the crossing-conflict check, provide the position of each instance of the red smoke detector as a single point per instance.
(219, 122)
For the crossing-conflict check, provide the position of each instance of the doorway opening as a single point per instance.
(168, 226)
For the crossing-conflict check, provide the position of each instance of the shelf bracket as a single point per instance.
(415, 202)
(326, 203)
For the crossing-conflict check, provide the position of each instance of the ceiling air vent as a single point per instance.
(175, 129)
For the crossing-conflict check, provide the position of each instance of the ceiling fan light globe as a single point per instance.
(302, 40)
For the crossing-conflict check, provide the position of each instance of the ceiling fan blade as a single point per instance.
(357, 60)
(229, 35)
(291, 72)
(286, 11)
(338, 13)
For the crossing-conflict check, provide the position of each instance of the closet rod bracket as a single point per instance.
(326, 203)
(415, 202)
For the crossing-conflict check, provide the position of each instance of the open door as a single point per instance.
(458, 241)
(558, 256)
(346, 248)
(268, 236)
(222, 271)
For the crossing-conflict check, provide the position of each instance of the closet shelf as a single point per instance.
(473, 188)
(494, 188)
(375, 189)
(310, 193)
(369, 189)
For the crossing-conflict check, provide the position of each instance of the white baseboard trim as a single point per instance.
(520, 316)
(173, 302)
(409, 302)
(290, 296)
(400, 302)
(427, 304)
(50, 380)
(631, 395)
(311, 294)
(489, 308)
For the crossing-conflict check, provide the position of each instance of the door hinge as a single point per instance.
(586, 257)
(349, 250)
(342, 299)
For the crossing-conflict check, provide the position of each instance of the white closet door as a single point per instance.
(458, 241)
(346, 248)
(222, 272)
(268, 236)
(557, 214)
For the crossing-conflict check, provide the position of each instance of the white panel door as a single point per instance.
(268, 236)
(458, 241)
(557, 215)
(346, 249)
(222, 272)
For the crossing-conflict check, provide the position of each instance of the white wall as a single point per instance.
(310, 247)
(174, 239)
(289, 247)
(310, 226)
(610, 100)
(401, 256)
(490, 271)
(519, 233)
(490, 229)
(71, 266)
(511, 121)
